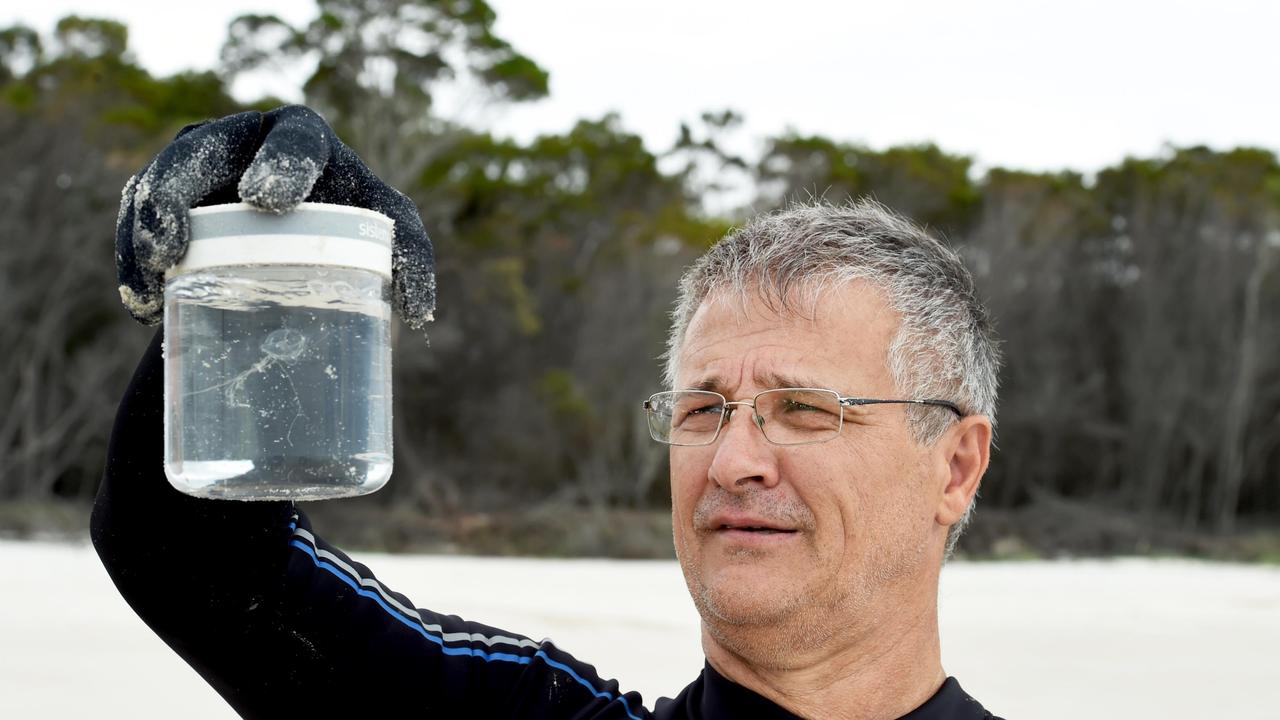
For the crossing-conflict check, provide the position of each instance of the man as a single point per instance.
(833, 384)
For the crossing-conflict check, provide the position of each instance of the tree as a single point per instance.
(920, 181)
(1195, 229)
(77, 116)
(378, 67)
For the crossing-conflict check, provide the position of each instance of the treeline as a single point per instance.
(1140, 308)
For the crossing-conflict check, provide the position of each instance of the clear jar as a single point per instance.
(277, 354)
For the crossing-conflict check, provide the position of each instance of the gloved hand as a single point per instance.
(273, 161)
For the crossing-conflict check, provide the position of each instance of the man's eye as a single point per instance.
(698, 418)
(793, 406)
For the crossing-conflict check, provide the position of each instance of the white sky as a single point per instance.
(1018, 84)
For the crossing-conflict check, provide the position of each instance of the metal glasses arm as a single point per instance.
(852, 402)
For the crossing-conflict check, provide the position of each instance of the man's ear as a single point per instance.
(966, 450)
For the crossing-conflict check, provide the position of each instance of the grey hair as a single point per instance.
(945, 346)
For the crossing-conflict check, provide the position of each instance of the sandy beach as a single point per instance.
(1124, 638)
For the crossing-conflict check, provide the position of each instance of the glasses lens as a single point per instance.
(794, 416)
(685, 417)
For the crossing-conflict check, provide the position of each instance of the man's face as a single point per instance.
(851, 521)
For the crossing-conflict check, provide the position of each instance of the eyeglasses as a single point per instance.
(786, 416)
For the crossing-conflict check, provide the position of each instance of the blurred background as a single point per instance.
(1109, 173)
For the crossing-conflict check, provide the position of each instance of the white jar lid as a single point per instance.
(310, 234)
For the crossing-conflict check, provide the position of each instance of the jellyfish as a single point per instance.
(285, 344)
(280, 348)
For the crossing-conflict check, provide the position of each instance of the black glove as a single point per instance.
(273, 161)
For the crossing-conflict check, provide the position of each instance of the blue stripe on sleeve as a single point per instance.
(450, 650)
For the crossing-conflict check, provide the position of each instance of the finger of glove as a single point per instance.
(192, 126)
(347, 181)
(141, 292)
(294, 152)
(137, 294)
(201, 161)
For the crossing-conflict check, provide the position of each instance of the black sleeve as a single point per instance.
(278, 621)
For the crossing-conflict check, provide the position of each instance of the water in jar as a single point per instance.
(278, 382)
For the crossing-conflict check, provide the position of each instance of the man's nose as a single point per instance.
(743, 455)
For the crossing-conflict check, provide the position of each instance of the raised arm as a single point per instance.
(276, 620)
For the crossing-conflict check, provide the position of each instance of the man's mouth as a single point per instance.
(755, 529)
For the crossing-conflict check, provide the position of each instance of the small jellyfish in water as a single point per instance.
(285, 344)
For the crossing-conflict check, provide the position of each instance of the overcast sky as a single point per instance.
(1014, 83)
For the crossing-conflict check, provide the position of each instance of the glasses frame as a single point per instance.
(728, 406)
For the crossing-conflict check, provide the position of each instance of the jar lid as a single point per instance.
(310, 234)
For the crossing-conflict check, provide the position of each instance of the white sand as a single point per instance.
(1122, 639)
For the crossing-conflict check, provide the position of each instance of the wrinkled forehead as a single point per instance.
(818, 302)
(813, 337)
(799, 299)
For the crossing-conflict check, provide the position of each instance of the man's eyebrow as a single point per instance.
(712, 384)
(765, 380)
(777, 380)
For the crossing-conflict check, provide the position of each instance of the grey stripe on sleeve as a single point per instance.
(372, 584)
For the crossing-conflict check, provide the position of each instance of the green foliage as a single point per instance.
(557, 389)
(920, 181)
(155, 106)
(20, 50)
(91, 38)
(1239, 180)
(509, 274)
(366, 52)
(90, 72)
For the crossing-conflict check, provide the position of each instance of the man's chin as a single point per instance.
(770, 626)
(749, 595)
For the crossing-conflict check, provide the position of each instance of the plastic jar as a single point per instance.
(277, 354)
